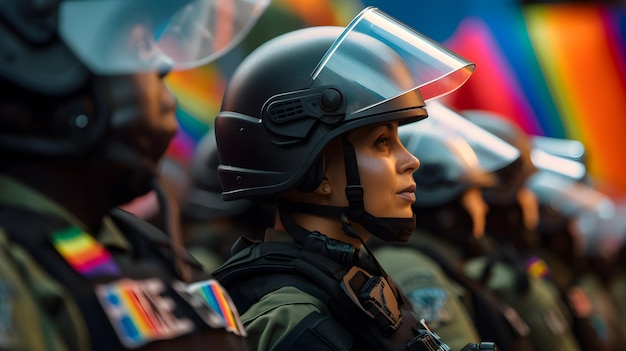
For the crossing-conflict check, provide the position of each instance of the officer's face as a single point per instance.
(144, 113)
(385, 169)
(472, 201)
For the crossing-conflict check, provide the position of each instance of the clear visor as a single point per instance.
(570, 197)
(493, 153)
(568, 148)
(412, 61)
(562, 166)
(123, 36)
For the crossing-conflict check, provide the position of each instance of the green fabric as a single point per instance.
(435, 297)
(272, 318)
(540, 307)
(617, 290)
(42, 314)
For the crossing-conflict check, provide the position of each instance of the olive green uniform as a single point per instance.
(436, 298)
(591, 302)
(37, 312)
(540, 307)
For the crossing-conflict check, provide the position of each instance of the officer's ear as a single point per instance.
(324, 188)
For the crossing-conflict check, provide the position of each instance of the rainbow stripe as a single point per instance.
(138, 312)
(556, 70)
(84, 253)
(199, 91)
(537, 267)
(217, 299)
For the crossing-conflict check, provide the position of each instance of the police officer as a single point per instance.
(450, 216)
(310, 119)
(84, 119)
(572, 213)
(210, 224)
(511, 224)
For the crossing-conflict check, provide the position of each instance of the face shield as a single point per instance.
(568, 195)
(120, 36)
(405, 60)
(493, 153)
(567, 148)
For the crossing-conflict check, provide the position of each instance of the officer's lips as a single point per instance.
(408, 193)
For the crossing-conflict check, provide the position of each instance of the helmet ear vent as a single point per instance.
(285, 110)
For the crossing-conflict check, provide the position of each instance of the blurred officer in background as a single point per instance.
(511, 226)
(571, 216)
(84, 119)
(310, 119)
(210, 224)
(450, 217)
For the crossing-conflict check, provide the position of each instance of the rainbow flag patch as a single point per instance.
(86, 255)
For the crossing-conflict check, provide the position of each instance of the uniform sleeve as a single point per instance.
(35, 313)
(434, 297)
(281, 318)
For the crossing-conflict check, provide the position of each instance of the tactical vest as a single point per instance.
(377, 320)
(140, 304)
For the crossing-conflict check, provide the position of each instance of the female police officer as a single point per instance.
(310, 118)
(84, 119)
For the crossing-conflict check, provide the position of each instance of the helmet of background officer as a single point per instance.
(449, 181)
(513, 209)
(574, 217)
(203, 197)
(298, 92)
(82, 79)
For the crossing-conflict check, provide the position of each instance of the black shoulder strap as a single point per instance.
(495, 320)
(143, 233)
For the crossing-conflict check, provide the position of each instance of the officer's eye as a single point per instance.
(382, 141)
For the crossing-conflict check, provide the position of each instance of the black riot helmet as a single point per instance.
(52, 54)
(299, 91)
(514, 175)
(293, 95)
(204, 196)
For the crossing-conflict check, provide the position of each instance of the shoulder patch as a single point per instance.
(431, 303)
(213, 304)
(537, 267)
(139, 312)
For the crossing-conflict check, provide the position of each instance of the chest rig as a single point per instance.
(368, 305)
(138, 302)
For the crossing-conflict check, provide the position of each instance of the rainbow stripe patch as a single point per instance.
(140, 312)
(537, 267)
(219, 304)
(84, 253)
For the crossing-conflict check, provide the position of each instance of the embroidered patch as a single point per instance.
(431, 304)
(213, 304)
(7, 314)
(84, 253)
(139, 313)
(537, 267)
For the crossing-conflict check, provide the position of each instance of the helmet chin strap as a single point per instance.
(388, 229)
